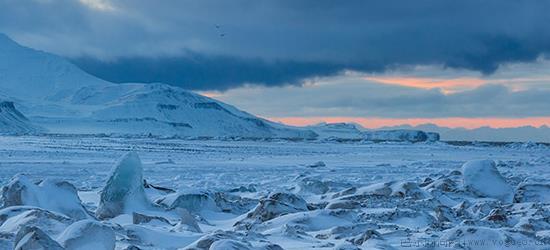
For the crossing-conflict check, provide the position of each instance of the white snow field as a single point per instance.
(76, 192)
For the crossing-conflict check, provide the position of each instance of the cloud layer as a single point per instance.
(276, 43)
(357, 97)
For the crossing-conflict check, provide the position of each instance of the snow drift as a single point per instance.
(57, 196)
(483, 178)
(88, 234)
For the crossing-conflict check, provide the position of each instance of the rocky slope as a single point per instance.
(13, 122)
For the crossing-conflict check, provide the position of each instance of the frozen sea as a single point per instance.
(86, 161)
(280, 166)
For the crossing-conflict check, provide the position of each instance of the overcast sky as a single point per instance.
(386, 59)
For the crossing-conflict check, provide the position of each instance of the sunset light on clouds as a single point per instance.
(429, 96)
(374, 63)
(447, 85)
(452, 85)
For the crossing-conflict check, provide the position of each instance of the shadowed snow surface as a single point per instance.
(266, 195)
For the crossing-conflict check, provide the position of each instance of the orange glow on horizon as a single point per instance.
(453, 84)
(452, 122)
(448, 85)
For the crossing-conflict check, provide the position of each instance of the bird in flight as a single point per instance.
(218, 28)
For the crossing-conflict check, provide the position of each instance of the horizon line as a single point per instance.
(449, 122)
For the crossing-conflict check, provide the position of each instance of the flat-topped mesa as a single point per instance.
(350, 131)
(401, 135)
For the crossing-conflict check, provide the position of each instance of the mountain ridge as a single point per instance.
(62, 98)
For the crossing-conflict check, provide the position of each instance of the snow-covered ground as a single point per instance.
(257, 195)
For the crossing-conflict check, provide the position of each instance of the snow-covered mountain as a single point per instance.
(13, 122)
(62, 98)
(350, 131)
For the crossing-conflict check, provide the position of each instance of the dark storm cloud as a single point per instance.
(201, 72)
(277, 42)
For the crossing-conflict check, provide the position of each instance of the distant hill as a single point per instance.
(518, 134)
(354, 132)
